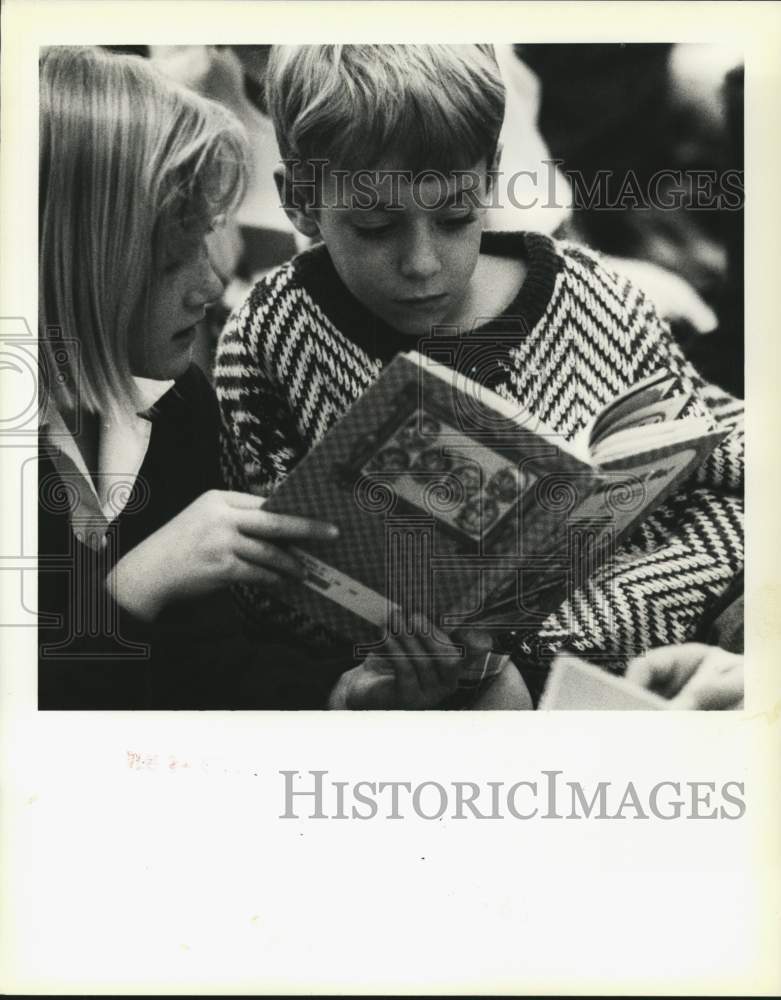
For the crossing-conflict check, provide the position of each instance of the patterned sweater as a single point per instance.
(301, 349)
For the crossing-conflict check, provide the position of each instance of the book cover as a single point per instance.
(456, 503)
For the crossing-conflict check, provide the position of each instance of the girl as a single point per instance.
(134, 537)
(137, 542)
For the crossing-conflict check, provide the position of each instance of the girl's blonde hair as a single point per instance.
(425, 107)
(125, 154)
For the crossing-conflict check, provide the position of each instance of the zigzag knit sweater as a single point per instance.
(301, 349)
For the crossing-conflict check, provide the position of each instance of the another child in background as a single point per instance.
(404, 253)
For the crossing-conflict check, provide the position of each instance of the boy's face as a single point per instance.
(410, 264)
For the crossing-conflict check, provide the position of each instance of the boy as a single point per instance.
(388, 153)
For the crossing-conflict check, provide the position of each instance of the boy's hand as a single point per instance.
(506, 692)
(220, 539)
(692, 676)
(421, 673)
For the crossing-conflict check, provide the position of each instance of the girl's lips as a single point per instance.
(185, 334)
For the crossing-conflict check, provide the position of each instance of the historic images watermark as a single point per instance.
(548, 186)
(546, 795)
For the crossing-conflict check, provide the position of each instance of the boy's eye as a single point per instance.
(372, 229)
(457, 221)
(447, 222)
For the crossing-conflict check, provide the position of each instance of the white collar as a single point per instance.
(151, 391)
(122, 446)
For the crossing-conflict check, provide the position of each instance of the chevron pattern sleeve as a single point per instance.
(723, 469)
(657, 586)
(260, 440)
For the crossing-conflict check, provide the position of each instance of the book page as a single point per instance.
(655, 411)
(649, 390)
(576, 685)
(655, 436)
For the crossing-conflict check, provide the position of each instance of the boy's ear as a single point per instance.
(297, 210)
(493, 166)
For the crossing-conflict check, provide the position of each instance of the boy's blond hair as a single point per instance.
(126, 156)
(419, 107)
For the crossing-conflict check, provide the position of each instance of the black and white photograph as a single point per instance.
(378, 381)
(288, 220)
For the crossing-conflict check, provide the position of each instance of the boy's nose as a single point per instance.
(420, 259)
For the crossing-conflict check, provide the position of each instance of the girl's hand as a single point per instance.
(420, 672)
(222, 538)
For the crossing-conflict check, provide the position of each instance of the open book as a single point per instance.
(459, 504)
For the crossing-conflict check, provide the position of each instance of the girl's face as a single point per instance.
(185, 285)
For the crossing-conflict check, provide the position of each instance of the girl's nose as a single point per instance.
(206, 289)
(420, 258)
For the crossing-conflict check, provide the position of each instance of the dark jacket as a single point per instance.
(94, 655)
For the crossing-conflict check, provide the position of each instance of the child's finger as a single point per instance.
(443, 674)
(287, 527)
(717, 684)
(428, 639)
(248, 572)
(444, 667)
(260, 553)
(667, 668)
(451, 653)
(478, 642)
(435, 658)
(406, 657)
(245, 501)
(408, 690)
(438, 668)
(266, 524)
(420, 684)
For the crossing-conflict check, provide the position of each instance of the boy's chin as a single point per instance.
(415, 328)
